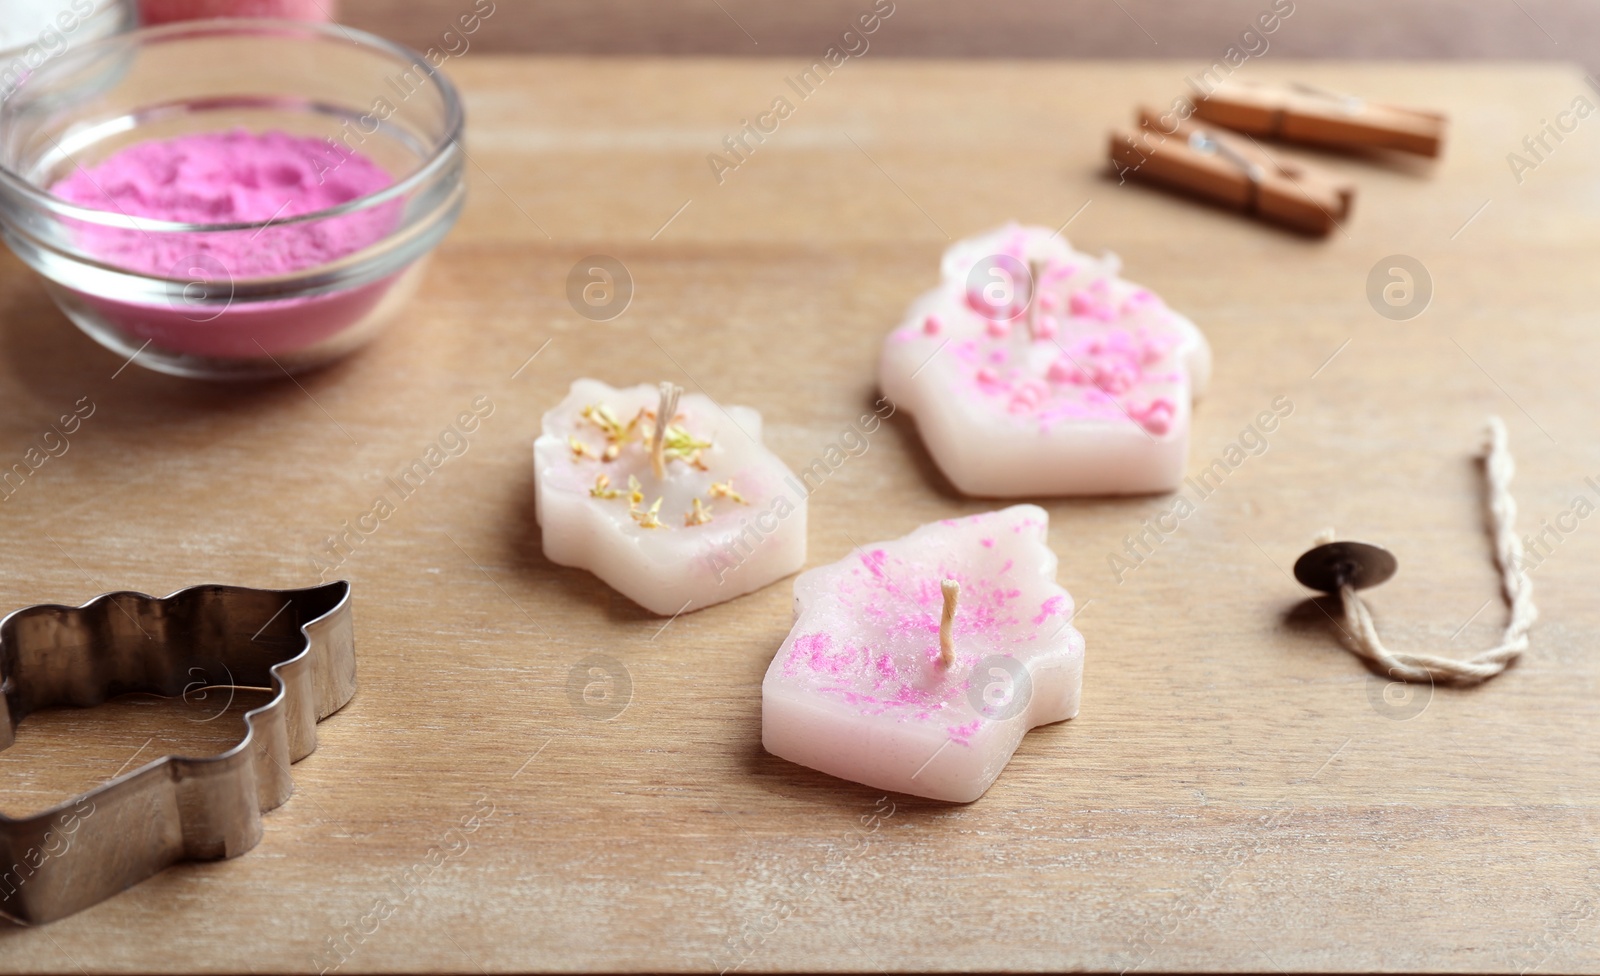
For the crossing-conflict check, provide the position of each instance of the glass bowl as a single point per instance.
(194, 299)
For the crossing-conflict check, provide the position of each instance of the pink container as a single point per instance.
(153, 12)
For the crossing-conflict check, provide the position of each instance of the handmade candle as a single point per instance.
(1034, 369)
(676, 515)
(917, 665)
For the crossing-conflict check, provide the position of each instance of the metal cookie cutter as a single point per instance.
(297, 642)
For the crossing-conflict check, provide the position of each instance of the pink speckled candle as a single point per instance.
(863, 690)
(1034, 369)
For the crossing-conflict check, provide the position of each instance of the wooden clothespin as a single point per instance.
(1206, 162)
(1297, 112)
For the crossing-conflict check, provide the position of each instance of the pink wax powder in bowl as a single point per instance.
(224, 199)
(234, 177)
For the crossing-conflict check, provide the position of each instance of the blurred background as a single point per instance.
(1509, 29)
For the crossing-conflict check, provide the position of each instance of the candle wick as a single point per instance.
(1035, 273)
(947, 650)
(665, 411)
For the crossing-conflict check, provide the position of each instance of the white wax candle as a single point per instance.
(863, 689)
(714, 522)
(1083, 388)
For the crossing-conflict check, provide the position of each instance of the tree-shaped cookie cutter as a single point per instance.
(297, 642)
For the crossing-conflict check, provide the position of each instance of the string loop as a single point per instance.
(1515, 585)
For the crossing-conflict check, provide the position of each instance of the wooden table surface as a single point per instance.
(1237, 794)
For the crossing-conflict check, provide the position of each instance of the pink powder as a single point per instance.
(1049, 608)
(234, 177)
(231, 178)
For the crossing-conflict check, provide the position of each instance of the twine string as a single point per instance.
(1515, 584)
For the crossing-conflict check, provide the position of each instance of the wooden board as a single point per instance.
(1237, 794)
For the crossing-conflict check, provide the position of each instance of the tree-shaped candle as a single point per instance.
(1034, 369)
(671, 499)
(918, 665)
